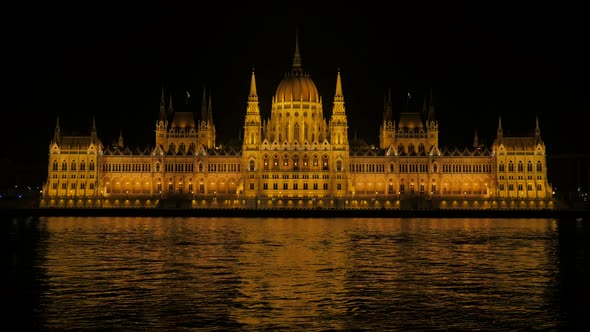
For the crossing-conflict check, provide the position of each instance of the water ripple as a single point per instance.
(220, 274)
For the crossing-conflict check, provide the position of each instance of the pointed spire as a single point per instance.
(388, 114)
(338, 96)
(475, 140)
(120, 143)
(253, 95)
(296, 57)
(537, 128)
(162, 106)
(210, 111)
(170, 109)
(204, 105)
(500, 133)
(93, 130)
(431, 113)
(57, 131)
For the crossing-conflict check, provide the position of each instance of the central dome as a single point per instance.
(297, 86)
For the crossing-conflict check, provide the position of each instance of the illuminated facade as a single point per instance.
(297, 158)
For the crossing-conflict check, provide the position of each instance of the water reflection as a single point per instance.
(303, 274)
(23, 278)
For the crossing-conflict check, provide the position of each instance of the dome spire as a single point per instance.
(297, 57)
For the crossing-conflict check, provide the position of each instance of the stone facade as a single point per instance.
(297, 158)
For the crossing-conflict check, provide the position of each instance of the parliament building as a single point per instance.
(298, 158)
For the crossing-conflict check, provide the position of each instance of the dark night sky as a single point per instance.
(109, 60)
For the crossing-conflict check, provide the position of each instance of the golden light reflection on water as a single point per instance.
(305, 273)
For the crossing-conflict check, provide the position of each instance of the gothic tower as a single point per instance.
(252, 123)
(387, 130)
(206, 126)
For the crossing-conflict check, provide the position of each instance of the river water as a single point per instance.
(295, 274)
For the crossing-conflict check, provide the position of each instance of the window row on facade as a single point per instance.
(422, 167)
(182, 167)
(73, 166)
(520, 166)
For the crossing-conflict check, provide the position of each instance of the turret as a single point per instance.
(252, 121)
(387, 130)
(57, 132)
(339, 122)
(206, 127)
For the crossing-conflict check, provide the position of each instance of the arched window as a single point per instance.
(529, 166)
(391, 168)
(64, 166)
(157, 167)
(315, 160)
(200, 167)
(421, 148)
(434, 168)
(73, 166)
(91, 165)
(325, 164)
(295, 162)
(265, 162)
(510, 166)
(339, 166)
(520, 166)
(539, 166)
(83, 166)
(251, 165)
(501, 167)
(296, 132)
(55, 165)
(400, 148)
